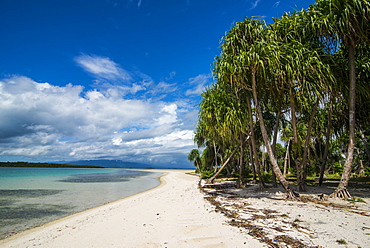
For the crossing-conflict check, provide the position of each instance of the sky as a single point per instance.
(111, 79)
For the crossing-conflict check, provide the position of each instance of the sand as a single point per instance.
(174, 214)
(329, 223)
(178, 214)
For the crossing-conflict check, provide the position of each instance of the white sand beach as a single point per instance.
(178, 214)
(310, 222)
(174, 214)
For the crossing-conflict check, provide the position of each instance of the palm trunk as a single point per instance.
(286, 159)
(252, 164)
(275, 166)
(215, 152)
(296, 146)
(274, 140)
(326, 151)
(341, 190)
(366, 146)
(306, 146)
(197, 165)
(222, 167)
(240, 182)
(254, 148)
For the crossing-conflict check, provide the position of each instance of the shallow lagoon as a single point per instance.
(30, 197)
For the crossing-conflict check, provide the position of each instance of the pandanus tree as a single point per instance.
(223, 117)
(349, 20)
(194, 157)
(252, 53)
(291, 66)
(305, 77)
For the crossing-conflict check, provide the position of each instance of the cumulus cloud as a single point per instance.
(41, 120)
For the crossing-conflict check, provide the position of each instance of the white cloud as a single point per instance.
(276, 4)
(102, 67)
(163, 87)
(255, 3)
(199, 82)
(138, 2)
(168, 114)
(111, 78)
(43, 121)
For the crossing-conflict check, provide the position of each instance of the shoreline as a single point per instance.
(173, 214)
(32, 229)
(33, 202)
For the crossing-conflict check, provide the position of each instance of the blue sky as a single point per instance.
(111, 79)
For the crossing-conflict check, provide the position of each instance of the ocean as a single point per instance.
(30, 197)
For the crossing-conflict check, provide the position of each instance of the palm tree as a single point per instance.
(257, 53)
(350, 21)
(305, 77)
(222, 118)
(288, 66)
(194, 157)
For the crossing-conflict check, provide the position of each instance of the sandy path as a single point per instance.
(174, 214)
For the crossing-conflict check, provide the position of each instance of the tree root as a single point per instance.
(291, 195)
(342, 194)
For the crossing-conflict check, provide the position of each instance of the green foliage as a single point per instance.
(207, 174)
(355, 199)
(267, 177)
(336, 176)
(207, 159)
(291, 74)
(341, 242)
(337, 168)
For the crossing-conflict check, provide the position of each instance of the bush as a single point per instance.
(267, 177)
(207, 174)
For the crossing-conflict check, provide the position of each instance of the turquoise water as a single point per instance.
(30, 197)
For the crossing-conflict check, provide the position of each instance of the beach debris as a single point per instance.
(249, 210)
(267, 225)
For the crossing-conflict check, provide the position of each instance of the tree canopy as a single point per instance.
(300, 78)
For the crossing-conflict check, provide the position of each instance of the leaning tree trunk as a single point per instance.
(275, 166)
(222, 167)
(342, 191)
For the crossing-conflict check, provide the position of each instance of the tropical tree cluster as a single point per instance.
(290, 96)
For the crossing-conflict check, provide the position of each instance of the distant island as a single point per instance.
(112, 164)
(45, 165)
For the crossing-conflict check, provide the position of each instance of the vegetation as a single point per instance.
(341, 242)
(303, 78)
(46, 165)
